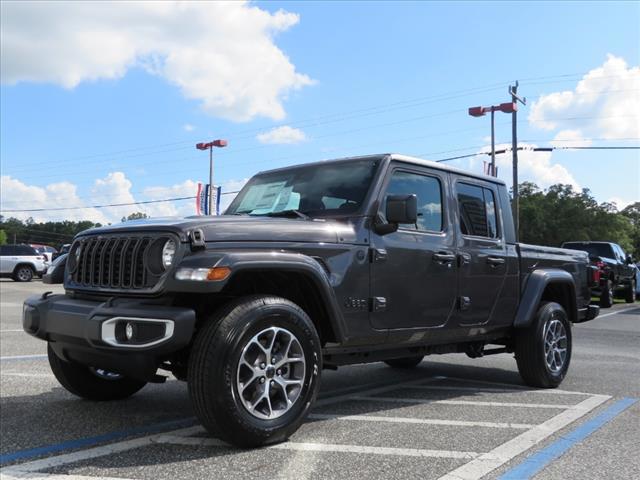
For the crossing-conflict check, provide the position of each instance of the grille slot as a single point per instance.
(114, 262)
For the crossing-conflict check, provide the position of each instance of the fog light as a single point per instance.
(129, 331)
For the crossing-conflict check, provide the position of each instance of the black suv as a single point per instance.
(377, 258)
(618, 275)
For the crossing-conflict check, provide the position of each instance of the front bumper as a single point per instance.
(93, 333)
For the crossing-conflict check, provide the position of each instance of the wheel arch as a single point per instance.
(550, 285)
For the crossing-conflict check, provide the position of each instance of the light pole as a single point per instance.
(513, 91)
(480, 112)
(209, 146)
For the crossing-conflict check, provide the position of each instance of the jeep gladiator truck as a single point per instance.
(376, 258)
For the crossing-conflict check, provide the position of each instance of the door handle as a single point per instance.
(495, 261)
(443, 257)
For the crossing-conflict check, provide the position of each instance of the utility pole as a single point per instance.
(513, 91)
(480, 112)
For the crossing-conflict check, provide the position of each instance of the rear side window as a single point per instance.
(25, 250)
(478, 212)
(429, 193)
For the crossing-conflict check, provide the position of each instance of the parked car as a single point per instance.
(377, 258)
(44, 250)
(63, 249)
(617, 270)
(21, 262)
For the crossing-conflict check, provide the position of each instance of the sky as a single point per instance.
(102, 103)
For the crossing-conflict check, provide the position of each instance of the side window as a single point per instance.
(429, 193)
(4, 250)
(25, 250)
(478, 212)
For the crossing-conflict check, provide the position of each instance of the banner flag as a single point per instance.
(202, 199)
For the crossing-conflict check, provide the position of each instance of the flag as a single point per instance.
(202, 199)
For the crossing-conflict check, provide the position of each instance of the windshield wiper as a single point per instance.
(289, 213)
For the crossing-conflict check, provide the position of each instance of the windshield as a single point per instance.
(593, 249)
(316, 190)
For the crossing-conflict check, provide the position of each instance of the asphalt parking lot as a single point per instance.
(450, 418)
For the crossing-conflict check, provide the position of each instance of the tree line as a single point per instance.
(547, 217)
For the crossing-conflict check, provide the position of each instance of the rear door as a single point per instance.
(482, 250)
(413, 270)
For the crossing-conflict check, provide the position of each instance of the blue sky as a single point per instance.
(104, 104)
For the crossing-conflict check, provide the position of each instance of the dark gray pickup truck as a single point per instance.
(377, 258)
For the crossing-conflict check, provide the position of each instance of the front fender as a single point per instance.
(262, 260)
(532, 295)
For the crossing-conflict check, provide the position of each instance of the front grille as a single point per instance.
(114, 262)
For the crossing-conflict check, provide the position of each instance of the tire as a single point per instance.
(606, 296)
(535, 367)
(405, 363)
(223, 391)
(90, 383)
(630, 293)
(23, 273)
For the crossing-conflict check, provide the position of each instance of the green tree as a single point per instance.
(632, 212)
(135, 216)
(3, 237)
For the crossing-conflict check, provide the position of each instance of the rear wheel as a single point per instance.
(543, 350)
(606, 296)
(254, 371)
(407, 362)
(24, 273)
(630, 293)
(92, 383)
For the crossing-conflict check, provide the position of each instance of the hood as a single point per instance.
(241, 229)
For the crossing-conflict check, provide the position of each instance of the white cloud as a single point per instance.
(283, 134)
(621, 203)
(187, 127)
(221, 54)
(115, 188)
(605, 103)
(570, 138)
(536, 167)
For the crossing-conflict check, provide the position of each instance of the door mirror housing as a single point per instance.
(398, 209)
(629, 259)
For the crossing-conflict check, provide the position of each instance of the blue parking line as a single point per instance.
(535, 463)
(23, 357)
(91, 441)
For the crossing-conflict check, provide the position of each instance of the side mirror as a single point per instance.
(399, 209)
(55, 272)
(629, 259)
(402, 209)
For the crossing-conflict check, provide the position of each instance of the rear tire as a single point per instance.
(91, 383)
(606, 296)
(630, 294)
(543, 350)
(254, 370)
(23, 273)
(404, 363)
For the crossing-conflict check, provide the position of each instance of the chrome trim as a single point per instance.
(108, 331)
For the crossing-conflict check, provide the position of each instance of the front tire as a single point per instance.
(254, 371)
(630, 294)
(543, 350)
(404, 363)
(24, 273)
(606, 296)
(92, 383)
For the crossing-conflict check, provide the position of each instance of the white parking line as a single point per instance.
(519, 388)
(51, 476)
(461, 402)
(492, 390)
(618, 311)
(27, 375)
(23, 357)
(500, 455)
(326, 447)
(12, 330)
(424, 421)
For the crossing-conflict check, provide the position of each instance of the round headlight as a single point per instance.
(168, 252)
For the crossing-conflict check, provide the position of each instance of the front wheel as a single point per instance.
(254, 371)
(543, 350)
(630, 294)
(92, 383)
(606, 297)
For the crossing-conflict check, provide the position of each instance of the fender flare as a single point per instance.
(242, 261)
(536, 284)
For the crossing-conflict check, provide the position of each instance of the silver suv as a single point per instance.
(21, 262)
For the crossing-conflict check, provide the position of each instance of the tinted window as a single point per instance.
(429, 194)
(593, 249)
(317, 190)
(25, 250)
(4, 250)
(478, 212)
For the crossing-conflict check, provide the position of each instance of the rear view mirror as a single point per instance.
(402, 209)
